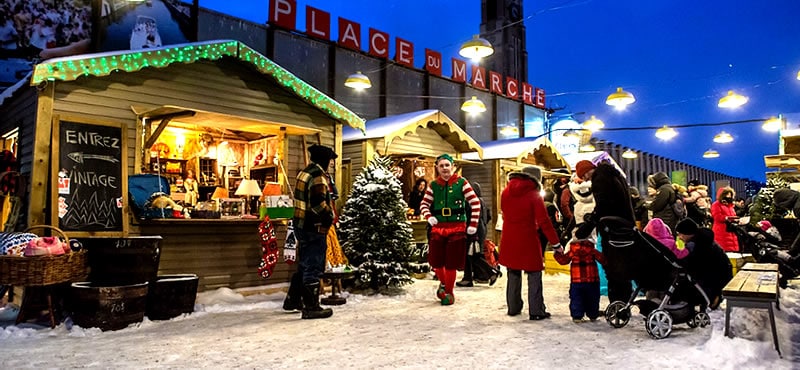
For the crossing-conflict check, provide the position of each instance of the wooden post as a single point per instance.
(41, 154)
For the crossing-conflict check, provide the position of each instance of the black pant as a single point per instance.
(477, 268)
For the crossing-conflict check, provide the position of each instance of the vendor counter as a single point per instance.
(221, 252)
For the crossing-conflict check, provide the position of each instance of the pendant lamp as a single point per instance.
(476, 48)
(358, 81)
(593, 124)
(723, 137)
(620, 99)
(629, 154)
(666, 133)
(473, 106)
(587, 148)
(711, 153)
(732, 100)
(774, 124)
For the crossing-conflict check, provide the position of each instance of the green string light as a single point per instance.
(99, 66)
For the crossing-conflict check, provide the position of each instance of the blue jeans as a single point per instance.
(584, 298)
(311, 249)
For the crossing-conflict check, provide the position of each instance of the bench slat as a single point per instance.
(753, 284)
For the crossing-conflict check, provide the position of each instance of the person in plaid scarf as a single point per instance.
(584, 287)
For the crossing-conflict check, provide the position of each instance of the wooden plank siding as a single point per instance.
(222, 254)
(424, 141)
(20, 112)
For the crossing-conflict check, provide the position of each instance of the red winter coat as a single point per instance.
(719, 212)
(524, 214)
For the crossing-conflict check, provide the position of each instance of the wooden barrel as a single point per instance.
(171, 296)
(123, 261)
(107, 307)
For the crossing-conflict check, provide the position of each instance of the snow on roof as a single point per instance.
(392, 127)
(518, 148)
(9, 91)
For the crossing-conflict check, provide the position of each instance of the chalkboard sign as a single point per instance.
(88, 173)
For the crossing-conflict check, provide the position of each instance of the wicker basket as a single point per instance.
(43, 270)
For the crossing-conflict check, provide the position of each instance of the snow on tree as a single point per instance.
(375, 232)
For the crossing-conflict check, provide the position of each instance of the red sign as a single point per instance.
(378, 43)
(512, 88)
(496, 82)
(527, 93)
(283, 13)
(539, 100)
(349, 34)
(479, 77)
(459, 70)
(404, 53)
(318, 23)
(433, 62)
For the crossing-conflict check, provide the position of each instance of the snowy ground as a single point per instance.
(406, 331)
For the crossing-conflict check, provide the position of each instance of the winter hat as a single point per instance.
(764, 224)
(532, 172)
(445, 156)
(583, 167)
(694, 182)
(634, 192)
(321, 154)
(686, 227)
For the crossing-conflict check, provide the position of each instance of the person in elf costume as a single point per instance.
(444, 206)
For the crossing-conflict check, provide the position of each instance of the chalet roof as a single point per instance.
(517, 149)
(103, 64)
(397, 126)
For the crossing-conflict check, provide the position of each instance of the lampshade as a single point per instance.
(773, 124)
(476, 48)
(620, 99)
(573, 134)
(732, 100)
(358, 81)
(593, 124)
(587, 148)
(629, 154)
(473, 106)
(798, 75)
(723, 137)
(219, 193)
(248, 187)
(711, 153)
(666, 133)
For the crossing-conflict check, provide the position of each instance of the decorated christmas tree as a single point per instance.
(375, 234)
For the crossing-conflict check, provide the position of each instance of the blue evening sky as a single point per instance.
(677, 57)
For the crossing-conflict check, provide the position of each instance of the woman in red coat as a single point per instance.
(721, 210)
(523, 214)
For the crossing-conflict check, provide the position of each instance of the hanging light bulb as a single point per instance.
(711, 153)
(798, 75)
(572, 134)
(473, 106)
(476, 48)
(593, 124)
(358, 81)
(629, 154)
(620, 99)
(666, 133)
(723, 137)
(732, 100)
(774, 124)
(588, 147)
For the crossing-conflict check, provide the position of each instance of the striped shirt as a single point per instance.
(469, 197)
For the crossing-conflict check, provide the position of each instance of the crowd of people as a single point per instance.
(44, 29)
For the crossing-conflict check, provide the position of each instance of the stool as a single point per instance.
(336, 287)
(753, 289)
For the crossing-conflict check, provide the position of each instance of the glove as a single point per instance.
(471, 230)
(432, 221)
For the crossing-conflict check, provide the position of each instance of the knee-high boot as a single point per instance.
(311, 307)
(294, 297)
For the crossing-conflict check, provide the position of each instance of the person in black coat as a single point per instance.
(640, 215)
(612, 198)
(476, 268)
(706, 263)
(663, 200)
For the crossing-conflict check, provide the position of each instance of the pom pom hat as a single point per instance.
(584, 166)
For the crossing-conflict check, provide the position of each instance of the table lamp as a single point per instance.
(248, 188)
(219, 193)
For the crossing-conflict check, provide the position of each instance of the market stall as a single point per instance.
(413, 140)
(207, 117)
(502, 157)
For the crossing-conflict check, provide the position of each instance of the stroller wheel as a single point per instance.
(659, 324)
(617, 314)
(700, 319)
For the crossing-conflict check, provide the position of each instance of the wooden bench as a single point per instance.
(753, 289)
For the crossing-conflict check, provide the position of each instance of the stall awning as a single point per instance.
(517, 149)
(103, 64)
(397, 126)
(782, 161)
(213, 120)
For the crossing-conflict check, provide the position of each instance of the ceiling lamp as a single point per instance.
(666, 133)
(711, 153)
(774, 124)
(620, 99)
(573, 134)
(509, 131)
(593, 124)
(732, 100)
(476, 48)
(358, 81)
(587, 148)
(723, 137)
(629, 154)
(798, 75)
(473, 106)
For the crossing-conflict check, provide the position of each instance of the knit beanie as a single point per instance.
(686, 227)
(321, 154)
(583, 167)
